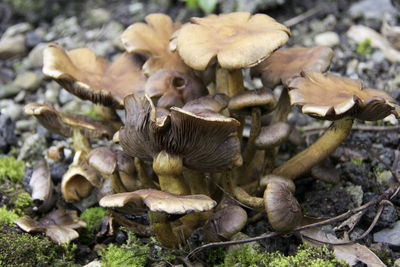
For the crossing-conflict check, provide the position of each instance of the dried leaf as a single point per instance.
(42, 187)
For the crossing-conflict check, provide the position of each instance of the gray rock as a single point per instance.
(7, 134)
(35, 57)
(327, 38)
(32, 38)
(97, 17)
(33, 147)
(12, 46)
(8, 90)
(385, 178)
(28, 81)
(356, 193)
(390, 236)
(17, 29)
(52, 91)
(249, 6)
(65, 96)
(26, 125)
(10, 109)
(371, 9)
(113, 31)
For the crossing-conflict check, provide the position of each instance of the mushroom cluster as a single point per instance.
(184, 129)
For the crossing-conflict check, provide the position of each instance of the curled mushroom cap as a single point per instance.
(42, 187)
(283, 65)
(92, 77)
(65, 124)
(160, 201)
(283, 210)
(246, 100)
(204, 141)
(173, 88)
(330, 96)
(226, 222)
(103, 159)
(272, 135)
(237, 40)
(151, 39)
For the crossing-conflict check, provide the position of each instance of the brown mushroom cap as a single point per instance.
(160, 201)
(225, 223)
(92, 77)
(64, 124)
(103, 159)
(272, 135)
(151, 39)
(42, 186)
(283, 210)
(272, 178)
(331, 97)
(174, 88)
(237, 40)
(283, 65)
(204, 142)
(246, 100)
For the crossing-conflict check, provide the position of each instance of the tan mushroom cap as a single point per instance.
(173, 88)
(331, 97)
(160, 201)
(237, 40)
(151, 39)
(42, 187)
(64, 124)
(283, 65)
(272, 178)
(246, 100)
(103, 159)
(92, 77)
(272, 135)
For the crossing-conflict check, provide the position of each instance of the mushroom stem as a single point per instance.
(317, 152)
(142, 175)
(250, 149)
(243, 197)
(109, 115)
(161, 228)
(229, 82)
(81, 142)
(168, 168)
(116, 184)
(197, 182)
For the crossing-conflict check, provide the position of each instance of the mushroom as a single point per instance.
(335, 98)
(173, 88)
(151, 40)
(236, 40)
(92, 77)
(79, 180)
(160, 204)
(59, 225)
(225, 223)
(42, 187)
(80, 128)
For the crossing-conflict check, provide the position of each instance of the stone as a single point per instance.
(7, 134)
(327, 38)
(9, 90)
(371, 9)
(35, 57)
(385, 178)
(356, 193)
(19, 28)
(10, 109)
(28, 81)
(97, 17)
(32, 39)
(390, 235)
(26, 125)
(12, 46)
(52, 92)
(33, 147)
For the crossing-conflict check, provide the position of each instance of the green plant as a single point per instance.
(92, 216)
(357, 162)
(311, 256)
(207, 6)
(27, 250)
(364, 47)
(7, 216)
(12, 169)
(23, 201)
(133, 253)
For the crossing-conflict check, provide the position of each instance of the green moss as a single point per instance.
(305, 257)
(133, 253)
(7, 216)
(92, 216)
(27, 250)
(91, 113)
(357, 162)
(11, 169)
(22, 203)
(364, 47)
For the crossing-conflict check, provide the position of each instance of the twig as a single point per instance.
(357, 127)
(309, 13)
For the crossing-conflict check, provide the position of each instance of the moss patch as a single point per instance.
(11, 169)
(92, 216)
(23, 203)
(7, 217)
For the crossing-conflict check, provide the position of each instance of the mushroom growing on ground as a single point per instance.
(334, 98)
(236, 40)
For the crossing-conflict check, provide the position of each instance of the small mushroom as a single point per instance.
(92, 77)
(151, 40)
(173, 88)
(272, 135)
(325, 172)
(225, 223)
(236, 40)
(59, 225)
(42, 187)
(283, 210)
